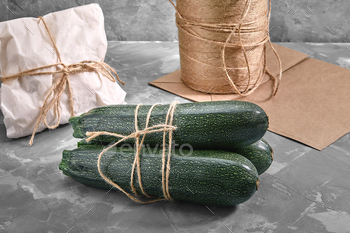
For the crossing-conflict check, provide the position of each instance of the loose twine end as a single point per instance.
(167, 127)
(272, 152)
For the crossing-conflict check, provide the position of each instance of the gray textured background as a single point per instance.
(153, 20)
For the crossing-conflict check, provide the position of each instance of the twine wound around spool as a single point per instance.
(166, 127)
(216, 38)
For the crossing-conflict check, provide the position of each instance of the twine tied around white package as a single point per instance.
(57, 88)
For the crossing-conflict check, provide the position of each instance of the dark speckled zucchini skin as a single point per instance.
(206, 177)
(205, 125)
(259, 153)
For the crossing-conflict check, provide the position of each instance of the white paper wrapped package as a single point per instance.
(25, 44)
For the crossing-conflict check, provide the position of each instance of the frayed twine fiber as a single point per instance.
(223, 44)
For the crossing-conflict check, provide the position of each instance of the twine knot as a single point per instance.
(65, 70)
(62, 82)
(166, 127)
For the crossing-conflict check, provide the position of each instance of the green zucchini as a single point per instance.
(259, 153)
(219, 125)
(206, 177)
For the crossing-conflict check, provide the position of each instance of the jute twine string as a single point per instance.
(62, 82)
(167, 127)
(194, 34)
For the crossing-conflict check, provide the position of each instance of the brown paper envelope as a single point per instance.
(288, 57)
(312, 105)
(182, 90)
(173, 83)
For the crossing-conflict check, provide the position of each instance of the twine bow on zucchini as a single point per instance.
(166, 127)
(210, 177)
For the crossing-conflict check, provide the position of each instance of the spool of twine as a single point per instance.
(222, 44)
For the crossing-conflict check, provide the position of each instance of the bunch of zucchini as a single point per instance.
(218, 156)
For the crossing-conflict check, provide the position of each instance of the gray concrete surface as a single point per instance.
(304, 190)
